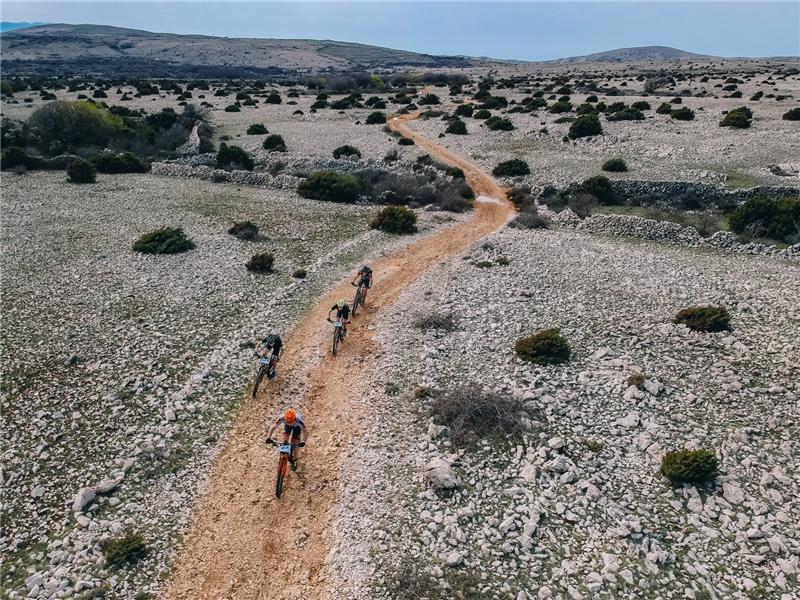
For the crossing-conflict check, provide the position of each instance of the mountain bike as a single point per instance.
(266, 366)
(361, 294)
(338, 333)
(285, 460)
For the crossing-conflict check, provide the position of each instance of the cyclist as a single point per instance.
(293, 429)
(273, 343)
(342, 313)
(364, 276)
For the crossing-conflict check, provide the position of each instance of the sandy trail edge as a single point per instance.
(243, 542)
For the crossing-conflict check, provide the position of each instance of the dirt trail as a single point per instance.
(246, 544)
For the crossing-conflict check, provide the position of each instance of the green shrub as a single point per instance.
(704, 318)
(545, 347)
(167, 240)
(431, 321)
(81, 171)
(257, 129)
(260, 262)
(677, 100)
(274, 143)
(761, 216)
(126, 162)
(273, 98)
(14, 157)
(615, 165)
(684, 113)
(641, 105)
(600, 187)
(792, 115)
(586, 109)
(244, 230)
(456, 127)
(584, 126)
(75, 123)
(429, 99)
(511, 168)
(331, 187)
(231, 108)
(529, 218)
(346, 150)
(464, 110)
(738, 118)
(233, 157)
(471, 414)
(299, 274)
(395, 219)
(626, 114)
(562, 106)
(499, 124)
(404, 141)
(664, 109)
(124, 550)
(690, 466)
(376, 118)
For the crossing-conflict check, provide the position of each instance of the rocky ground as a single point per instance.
(575, 507)
(122, 370)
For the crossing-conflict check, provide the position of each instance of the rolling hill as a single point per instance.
(637, 54)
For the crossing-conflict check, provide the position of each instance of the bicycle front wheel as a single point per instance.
(335, 340)
(281, 476)
(259, 379)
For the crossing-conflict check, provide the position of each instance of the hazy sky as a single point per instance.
(521, 30)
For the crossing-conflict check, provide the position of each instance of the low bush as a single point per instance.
(15, 157)
(562, 106)
(77, 123)
(511, 168)
(472, 414)
(456, 127)
(126, 162)
(435, 321)
(704, 318)
(626, 114)
(582, 204)
(233, 158)
(376, 118)
(404, 141)
(464, 110)
(330, 187)
(273, 98)
(600, 187)
(664, 109)
(232, 108)
(261, 262)
(395, 219)
(690, 466)
(481, 114)
(244, 230)
(641, 105)
(346, 150)
(299, 274)
(761, 216)
(738, 118)
(81, 171)
(684, 113)
(499, 124)
(546, 347)
(167, 240)
(677, 100)
(584, 126)
(274, 143)
(124, 550)
(429, 99)
(529, 219)
(792, 115)
(257, 129)
(615, 165)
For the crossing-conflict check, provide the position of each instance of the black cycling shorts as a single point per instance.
(293, 430)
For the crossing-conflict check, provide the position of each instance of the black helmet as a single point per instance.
(365, 269)
(271, 339)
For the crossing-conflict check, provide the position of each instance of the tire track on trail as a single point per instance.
(245, 544)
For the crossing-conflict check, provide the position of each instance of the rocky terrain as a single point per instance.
(575, 507)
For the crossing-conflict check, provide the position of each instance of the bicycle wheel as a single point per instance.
(281, 475)
(335, 339)
(259, 378)
(355, 305)
(272, 370)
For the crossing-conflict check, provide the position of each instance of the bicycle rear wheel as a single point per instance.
(281, 475)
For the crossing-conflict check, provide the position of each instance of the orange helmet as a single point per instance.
(289, 416)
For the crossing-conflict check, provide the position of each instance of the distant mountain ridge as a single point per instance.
(11, 25)
(637, 54)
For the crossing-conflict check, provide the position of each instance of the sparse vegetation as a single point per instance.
(257, 129)
(233, 158)
(546, 347)
(443, 322)
(472, 414)
(683, 113)
(615, 165)
(738, 118)
(126, 162)
(456, 127)
(346, 150)
(600, 187)
(274, 143)
(244, 230)
(762, 216)
(499, 124)
(167, 240)
(792, 115)
(690, 466)
(261, 262)
(704, 318)
(511, 168)
(331, 187)
(395, 219)
(376, 118)
(124, 550)
(81, 171)
(585, 126)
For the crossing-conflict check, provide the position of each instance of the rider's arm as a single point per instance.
(272, 430)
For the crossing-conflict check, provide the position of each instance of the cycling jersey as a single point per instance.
(366, 276)
(342, 313)
(295, 429)
(276, 347)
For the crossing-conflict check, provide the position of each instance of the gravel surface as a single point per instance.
(575, 508)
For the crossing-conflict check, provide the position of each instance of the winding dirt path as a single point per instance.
(246, 544)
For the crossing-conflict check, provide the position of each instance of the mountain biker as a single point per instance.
(342, 313)
(364, 276)
(274, 343)
(292, 422)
